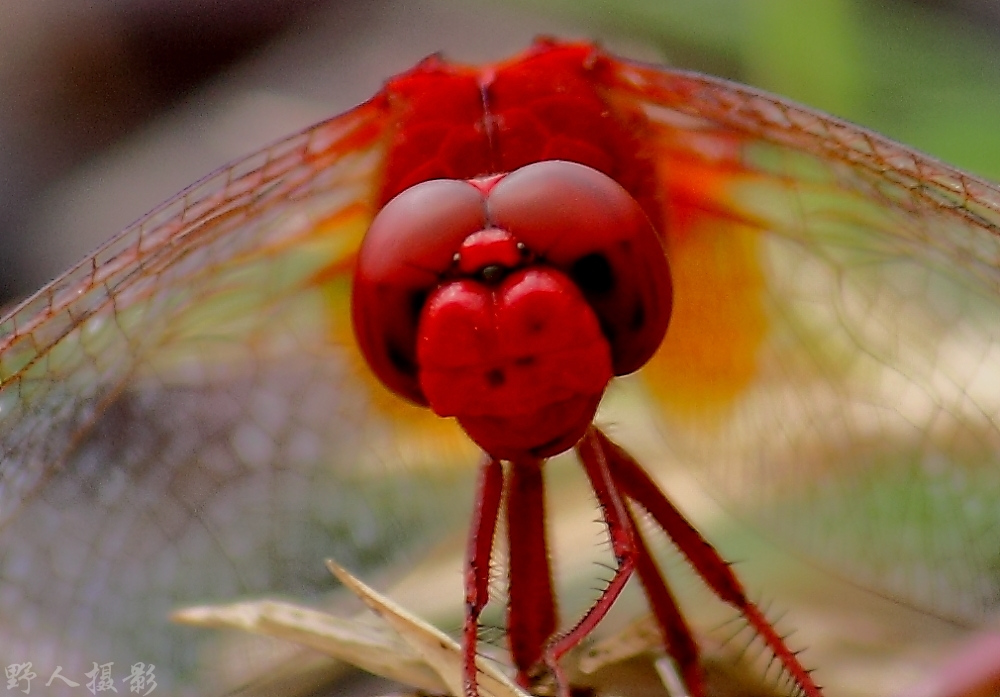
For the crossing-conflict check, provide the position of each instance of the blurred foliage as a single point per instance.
(924, 77)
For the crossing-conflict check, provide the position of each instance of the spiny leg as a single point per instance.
(478, 554)
(621, 533)
(703, 557)
(531, 609)
(676, 633)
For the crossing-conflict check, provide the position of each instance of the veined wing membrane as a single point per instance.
(842, 381)
(182, 420)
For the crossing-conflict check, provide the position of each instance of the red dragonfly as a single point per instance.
(813, 311)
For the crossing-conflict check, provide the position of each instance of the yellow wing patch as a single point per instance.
(719, 322)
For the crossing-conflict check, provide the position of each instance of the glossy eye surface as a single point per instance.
(407, 252)
(563, 215)
(582, 222)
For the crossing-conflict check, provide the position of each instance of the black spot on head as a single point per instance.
(401, 359)
(608, 329)
(535, 325)
(638, 318)
(417, 300)
(492, 274)
(593, 274)
(496, 377)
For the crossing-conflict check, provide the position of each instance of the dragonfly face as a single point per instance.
(507, 303)
(185, 416)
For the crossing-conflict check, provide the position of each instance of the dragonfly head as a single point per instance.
(511, 305)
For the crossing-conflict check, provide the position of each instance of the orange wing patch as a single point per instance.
(719, 322)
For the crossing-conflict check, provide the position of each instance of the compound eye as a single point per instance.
(585, 224)
(409, 246)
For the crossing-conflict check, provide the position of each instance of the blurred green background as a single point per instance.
(927, 74)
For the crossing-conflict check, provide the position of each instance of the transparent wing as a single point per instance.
(833, 366)
(183, 420)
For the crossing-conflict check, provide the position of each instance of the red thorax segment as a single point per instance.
(553, 103)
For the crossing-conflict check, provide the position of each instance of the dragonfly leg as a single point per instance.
(531, 609)
(676, 633)
(477, 562)
(622, 535)
(703, 557)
